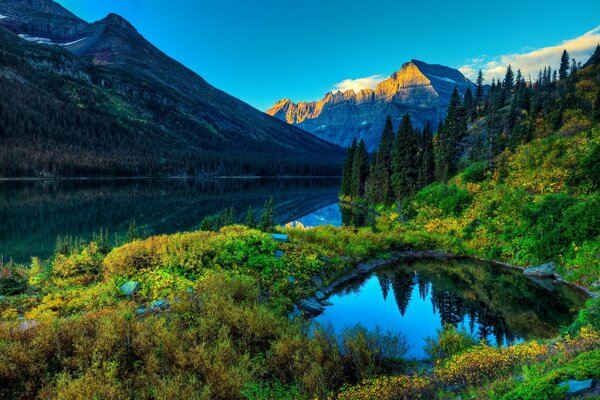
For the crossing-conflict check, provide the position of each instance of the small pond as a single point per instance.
(494, 303)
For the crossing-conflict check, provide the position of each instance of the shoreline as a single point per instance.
(365, 267)
(174, 177)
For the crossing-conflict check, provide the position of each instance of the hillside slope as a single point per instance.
(98, 99)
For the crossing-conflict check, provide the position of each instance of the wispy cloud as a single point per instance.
(580, 48)
(369, 82)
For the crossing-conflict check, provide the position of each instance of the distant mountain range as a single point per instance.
(79, 98)
(419, 89)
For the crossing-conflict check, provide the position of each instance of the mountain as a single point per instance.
(79, 98)
(419, 89)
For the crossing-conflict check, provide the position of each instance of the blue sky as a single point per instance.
(265, 50)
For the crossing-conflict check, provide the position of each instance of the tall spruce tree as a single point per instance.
(479, 90)
(250, 221)
(347, 171)
(360, 169)
(426, 159)
(380, 187)
(508, 83)
(267, 219)
(405, 160)
(563, 70)
(455, 127)
(469, 104)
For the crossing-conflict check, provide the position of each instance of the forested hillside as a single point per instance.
(511, 174)
(123, 108)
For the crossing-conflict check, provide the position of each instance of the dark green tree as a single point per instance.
(405, 160)
(250, 221)
(379, 181)
(479, 90)
(454, 128)
(267, 218)
(469, 104)
(426, 159)
(563, 70)
(360, 170)
(132, 232)
(347, 171)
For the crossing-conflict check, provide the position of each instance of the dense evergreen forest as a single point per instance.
(478, 128)
(62, 116)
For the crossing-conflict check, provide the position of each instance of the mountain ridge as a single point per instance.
(417, 88)
(110, 70)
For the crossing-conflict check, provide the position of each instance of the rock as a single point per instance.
(278, 253)
(311, 306)
(291, 279)
(595, 285)
(543, 283)
(159, 305)
(574, 387)
(317, 281)
(280, 237)
(326, 303)
(28, 324)
(543, 271)
(295, 313)
(129, 288)
(140, 311)
(319, 295)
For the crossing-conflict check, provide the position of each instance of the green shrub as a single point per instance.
(272, 391)
(589, 316)
(449, 341)
(451, 199)
(13, 279)
(475, 172)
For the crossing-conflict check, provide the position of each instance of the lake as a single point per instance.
(494, 303)
(33, 213)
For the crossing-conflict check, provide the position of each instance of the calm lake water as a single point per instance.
(498, 304)
(34, 213)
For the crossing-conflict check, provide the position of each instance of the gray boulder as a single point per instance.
(311, 306)
(546, 270)
(575, 387)
(280, 237)
(129, 288)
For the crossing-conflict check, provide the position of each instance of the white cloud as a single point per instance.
(580, 48)
(370, 82)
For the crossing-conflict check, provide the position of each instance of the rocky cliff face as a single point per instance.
(419, 89)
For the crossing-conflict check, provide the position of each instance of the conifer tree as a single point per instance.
(508, 83)
(360, 169)
(132, 232)
(404, 160)
(469, 104)
(380, 187)
(250, 221)
(426, 159)
(266, 221)
(479, 90)
(563, 70)
(347, 171)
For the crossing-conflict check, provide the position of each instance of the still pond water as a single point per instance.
(497, 304)
(415, 299)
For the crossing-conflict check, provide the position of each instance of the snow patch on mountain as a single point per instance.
(36, 39)
(42, 40)
(3, 17)
(442, 78)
